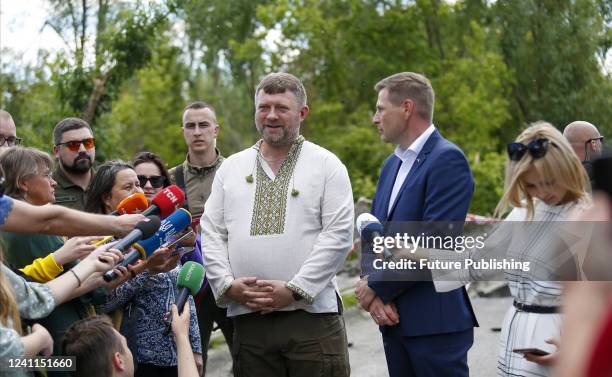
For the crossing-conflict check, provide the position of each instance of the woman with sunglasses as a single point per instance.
(545, 182)
(142, 296)
(152, 173)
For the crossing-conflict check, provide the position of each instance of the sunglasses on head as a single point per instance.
(75, 145)
(536, 148)
(157, 181)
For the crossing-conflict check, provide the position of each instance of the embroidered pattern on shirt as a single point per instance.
(270, 204)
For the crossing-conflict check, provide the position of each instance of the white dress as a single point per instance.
(521, 240)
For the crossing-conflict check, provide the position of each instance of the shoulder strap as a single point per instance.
(179, 178)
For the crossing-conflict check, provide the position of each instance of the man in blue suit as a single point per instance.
(426, 179)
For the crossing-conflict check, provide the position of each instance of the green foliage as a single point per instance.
(488, 171)
(147, 113)
(552, 48)
(495, 66)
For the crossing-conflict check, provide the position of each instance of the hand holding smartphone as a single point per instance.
(172, 244)
(534, 351)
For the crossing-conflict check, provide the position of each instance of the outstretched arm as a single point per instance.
(53, 219)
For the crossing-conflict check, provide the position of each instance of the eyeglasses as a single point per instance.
(11, 141)
(75, 145)
(157, 181)
(536, 148)
(590, 141)
(48, 175)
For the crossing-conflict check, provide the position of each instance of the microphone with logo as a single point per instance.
(168, 229)
(165, 202)
(189, 281)
(369, 228)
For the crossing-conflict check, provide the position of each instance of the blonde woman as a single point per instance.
(544, 183)
(28, 179)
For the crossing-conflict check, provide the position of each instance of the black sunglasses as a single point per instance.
(536, 148)
(157, 181)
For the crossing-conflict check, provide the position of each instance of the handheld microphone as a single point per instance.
(189, 281)
(369, 228)
(135, 203)
(166, 202)
(169, 227)
(143, 229)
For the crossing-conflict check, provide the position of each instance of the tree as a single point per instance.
(123, 37)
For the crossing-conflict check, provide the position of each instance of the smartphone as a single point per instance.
(182, 250)
(176, 241)
(534, 351)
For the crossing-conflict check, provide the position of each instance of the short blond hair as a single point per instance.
(19, 163)
(560, 165)
(410, 85)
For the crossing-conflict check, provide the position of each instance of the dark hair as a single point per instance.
(102, 184)
(66, 125)
(142, 157)
(93, 341)
(280, 82)
(199, 105)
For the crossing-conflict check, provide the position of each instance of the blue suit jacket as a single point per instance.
(438, 187)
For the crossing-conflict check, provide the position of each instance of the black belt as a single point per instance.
(536, 308)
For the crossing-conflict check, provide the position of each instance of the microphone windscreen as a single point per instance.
(367, 224)
(149, 227)
(191, 276)
(363, 220)
(168, 200)
(135, 203)
(170, 227)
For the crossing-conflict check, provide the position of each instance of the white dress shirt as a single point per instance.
(408, 157)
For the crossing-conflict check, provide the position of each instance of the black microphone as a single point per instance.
(143, 229)
(369, 228)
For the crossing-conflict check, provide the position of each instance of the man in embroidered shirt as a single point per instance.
(275, 230)
(74, 148)
(195, 176)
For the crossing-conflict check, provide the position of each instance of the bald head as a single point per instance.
(7, 129)
(580, 132)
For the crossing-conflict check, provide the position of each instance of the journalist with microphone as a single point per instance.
(155, 353)
(275, 230)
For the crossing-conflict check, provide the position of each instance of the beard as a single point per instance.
(287, 135)
(80, 165)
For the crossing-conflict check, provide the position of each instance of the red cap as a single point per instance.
(168, 200)
(134, 203)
